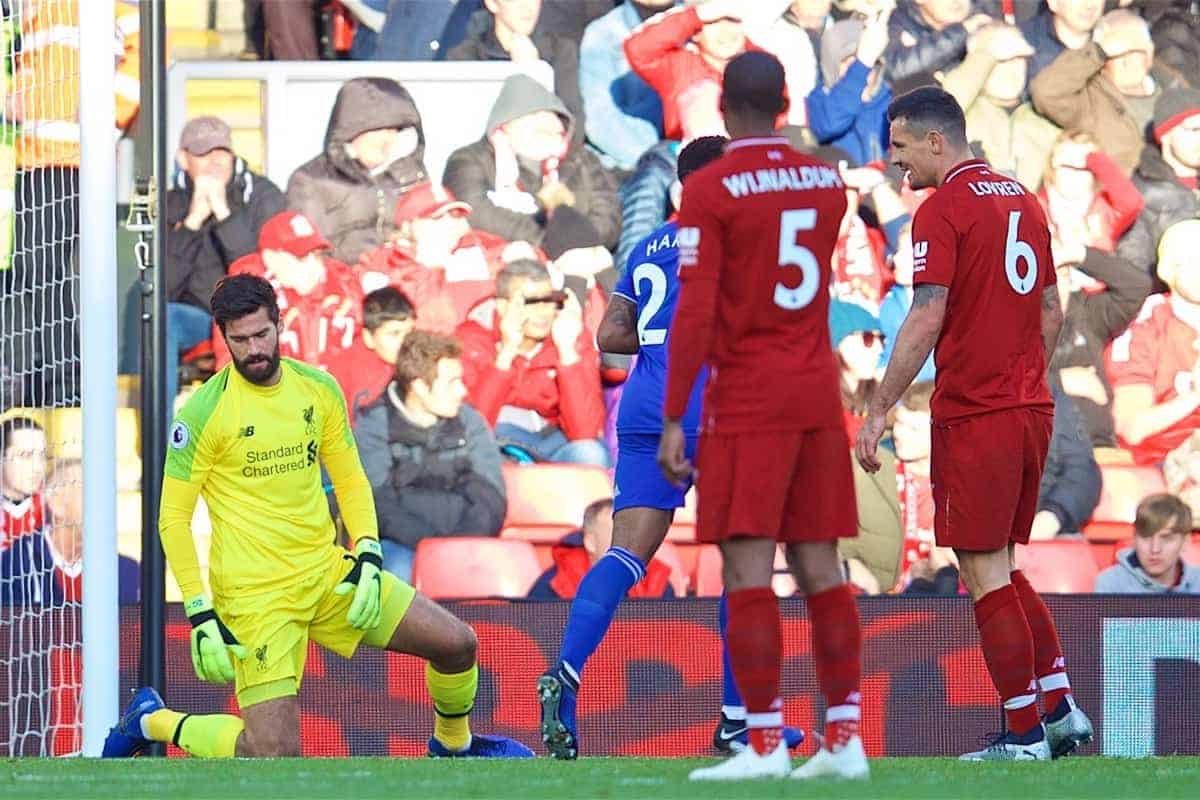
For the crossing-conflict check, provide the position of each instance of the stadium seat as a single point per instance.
(1124, 487)
(470, 567)
(681, 532)
(538, 534)
(552, 494)
(1059, 566)
(687, 514)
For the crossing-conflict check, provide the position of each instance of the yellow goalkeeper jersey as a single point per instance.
(255, 454)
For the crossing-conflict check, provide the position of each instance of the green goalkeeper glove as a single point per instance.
(211, 642)
(364, 580)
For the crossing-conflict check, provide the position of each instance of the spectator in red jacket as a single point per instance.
(532, 371)
(1155, 364)
(578, 550)
(366, 368)
(22, 474)
(320, 300)
(440, 263)
(1089, 200)
(676, 50)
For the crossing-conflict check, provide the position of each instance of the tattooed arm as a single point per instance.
(618, 330)
(1052, 321)
(913, 345)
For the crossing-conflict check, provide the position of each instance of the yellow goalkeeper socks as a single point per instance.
(453, 697)
(201, 735)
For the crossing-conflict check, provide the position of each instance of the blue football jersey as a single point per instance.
(651, 280)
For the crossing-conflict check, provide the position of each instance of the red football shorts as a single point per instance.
(986, 472)
(792, 486)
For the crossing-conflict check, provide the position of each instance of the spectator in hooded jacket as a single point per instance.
(850, 110)
(532, 369)
(1060, 25)
(514, 30)
(368, 366)
(1155, 365)
(1166, 175)
(436, 259)
(927, 36)
(374, 153)
(213, 214)
(990, 86)
(528, 166)
(433, 465)
(1154, 565)
(319, 297)
(624, 113)
(575, 554)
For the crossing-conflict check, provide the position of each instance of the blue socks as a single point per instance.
(600, 591)
(731, 701)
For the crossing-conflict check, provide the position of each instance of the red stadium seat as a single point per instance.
(470, 566)
(681, 532)
(1124, 487)
(538, 534)
(1060, 566)
(552, 494)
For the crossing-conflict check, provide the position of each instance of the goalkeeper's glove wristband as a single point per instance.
(365, 581)
(211, 642)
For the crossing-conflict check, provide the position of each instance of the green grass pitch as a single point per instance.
(657, 779)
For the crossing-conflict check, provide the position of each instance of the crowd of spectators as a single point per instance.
(459, 313)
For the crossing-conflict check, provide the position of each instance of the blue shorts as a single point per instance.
(638, 482)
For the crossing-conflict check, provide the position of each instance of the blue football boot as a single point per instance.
(125, 739)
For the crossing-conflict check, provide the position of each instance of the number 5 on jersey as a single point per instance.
(791, 253)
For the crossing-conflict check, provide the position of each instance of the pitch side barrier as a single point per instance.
(654, 686)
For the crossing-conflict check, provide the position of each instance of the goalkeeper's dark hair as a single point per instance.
(388, 304)
(700, 153)
(13, 424)
(419, 356)
(238, 296)
(931, 108)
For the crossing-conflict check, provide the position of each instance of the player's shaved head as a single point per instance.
(930, 108)
(699, 153)
(754, 83)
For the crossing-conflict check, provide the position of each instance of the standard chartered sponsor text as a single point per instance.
(269, 463)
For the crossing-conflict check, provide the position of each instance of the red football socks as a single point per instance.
(1048, 663)
(837, 660)
(755, 639)
(1008, 650)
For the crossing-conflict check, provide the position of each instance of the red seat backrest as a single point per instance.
(475, 566)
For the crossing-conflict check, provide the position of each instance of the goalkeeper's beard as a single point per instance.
(258, 369)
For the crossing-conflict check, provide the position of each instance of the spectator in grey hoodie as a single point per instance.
(1155, 565)
(433, 465)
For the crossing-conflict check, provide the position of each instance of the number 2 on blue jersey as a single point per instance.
(652, 274)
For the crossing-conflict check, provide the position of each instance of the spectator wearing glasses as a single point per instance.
(532, 371)
(1155, 565)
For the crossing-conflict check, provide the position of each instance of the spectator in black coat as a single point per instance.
(214, 211)
(1061, 25)
(1071, 479)
(925, 36)
(1175, 27)
(433, 465)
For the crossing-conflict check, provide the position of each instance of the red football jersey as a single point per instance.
(985, 237)
(756, 236)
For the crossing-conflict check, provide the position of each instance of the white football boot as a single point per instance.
(748, 765)
(848, 762)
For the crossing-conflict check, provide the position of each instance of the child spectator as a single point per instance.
(368, 366)
(532, 371)
(320, 299)
(22, 473)
(1154, 565)
(374, 153)
(575, 554)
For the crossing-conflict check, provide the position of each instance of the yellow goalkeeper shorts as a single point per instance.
(275, 627)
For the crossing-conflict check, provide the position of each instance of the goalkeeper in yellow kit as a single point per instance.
(252, 441)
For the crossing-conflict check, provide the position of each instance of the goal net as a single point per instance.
(40, 390)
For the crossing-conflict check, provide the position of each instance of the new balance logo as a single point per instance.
(246, 432)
